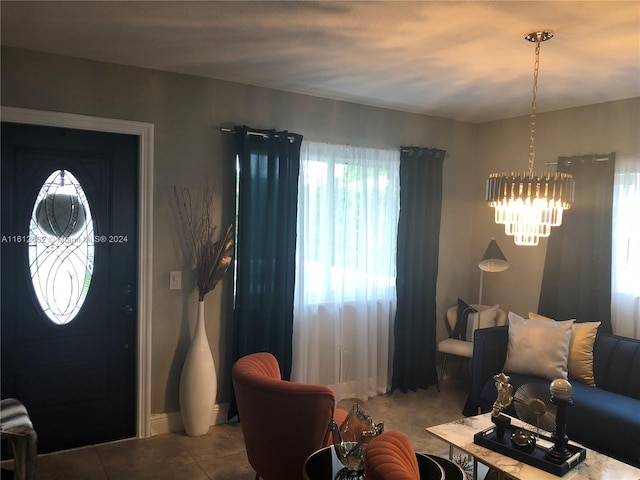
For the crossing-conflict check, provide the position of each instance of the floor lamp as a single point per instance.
(493, 260)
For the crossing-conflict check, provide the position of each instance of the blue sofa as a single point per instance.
(605, 418)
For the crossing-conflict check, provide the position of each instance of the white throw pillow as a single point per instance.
(583, 336)
(487, 319)
(538, 348)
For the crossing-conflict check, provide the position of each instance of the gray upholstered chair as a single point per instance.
(17, 428)
(460, 342)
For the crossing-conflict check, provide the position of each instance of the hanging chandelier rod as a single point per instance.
(532, 116)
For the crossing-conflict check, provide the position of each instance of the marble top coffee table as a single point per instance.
(459, 434)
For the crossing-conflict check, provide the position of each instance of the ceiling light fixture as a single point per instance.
(527, 204)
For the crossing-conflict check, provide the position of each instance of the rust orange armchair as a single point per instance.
(282, 422)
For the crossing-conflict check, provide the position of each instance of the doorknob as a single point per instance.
(127, 309)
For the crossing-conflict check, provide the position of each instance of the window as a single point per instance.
(348, 206)
(625, 281)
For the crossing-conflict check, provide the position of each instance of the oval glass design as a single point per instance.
(61, 247)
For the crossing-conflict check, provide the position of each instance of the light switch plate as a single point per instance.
(175, 280)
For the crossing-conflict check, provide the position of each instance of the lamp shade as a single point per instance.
(493, 259)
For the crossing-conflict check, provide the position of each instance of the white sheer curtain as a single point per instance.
(345, 295)
(625, 272)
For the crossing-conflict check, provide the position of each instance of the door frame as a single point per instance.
(144, 131)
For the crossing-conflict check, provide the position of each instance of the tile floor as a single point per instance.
(220, 454)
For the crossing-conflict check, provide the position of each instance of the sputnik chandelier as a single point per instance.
(527, 204)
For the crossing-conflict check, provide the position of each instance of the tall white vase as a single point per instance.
(198, 383)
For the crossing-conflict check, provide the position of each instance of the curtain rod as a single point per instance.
(250, 132)
(593, 160)
(406, 150)
(264, 135)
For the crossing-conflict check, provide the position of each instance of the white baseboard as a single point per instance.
(172, 421)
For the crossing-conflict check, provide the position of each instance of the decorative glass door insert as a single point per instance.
(61, 247)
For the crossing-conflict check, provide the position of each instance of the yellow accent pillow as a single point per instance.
(583, 336)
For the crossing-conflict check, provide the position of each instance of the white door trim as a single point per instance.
(145, 229)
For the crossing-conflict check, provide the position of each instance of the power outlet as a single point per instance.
(175, 280)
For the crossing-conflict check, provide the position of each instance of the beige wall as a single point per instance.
(190, 150)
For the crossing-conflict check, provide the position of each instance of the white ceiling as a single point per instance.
(461, 60)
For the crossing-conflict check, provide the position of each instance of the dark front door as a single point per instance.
(68, 249)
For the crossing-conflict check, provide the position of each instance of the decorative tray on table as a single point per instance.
(536, 458)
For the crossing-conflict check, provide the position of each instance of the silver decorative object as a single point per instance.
(350, 439)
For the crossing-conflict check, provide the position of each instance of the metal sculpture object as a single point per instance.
(561, 391)
(350, 441)
(533, 406)
(503, 400)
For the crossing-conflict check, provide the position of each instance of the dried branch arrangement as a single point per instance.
(211, 254)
